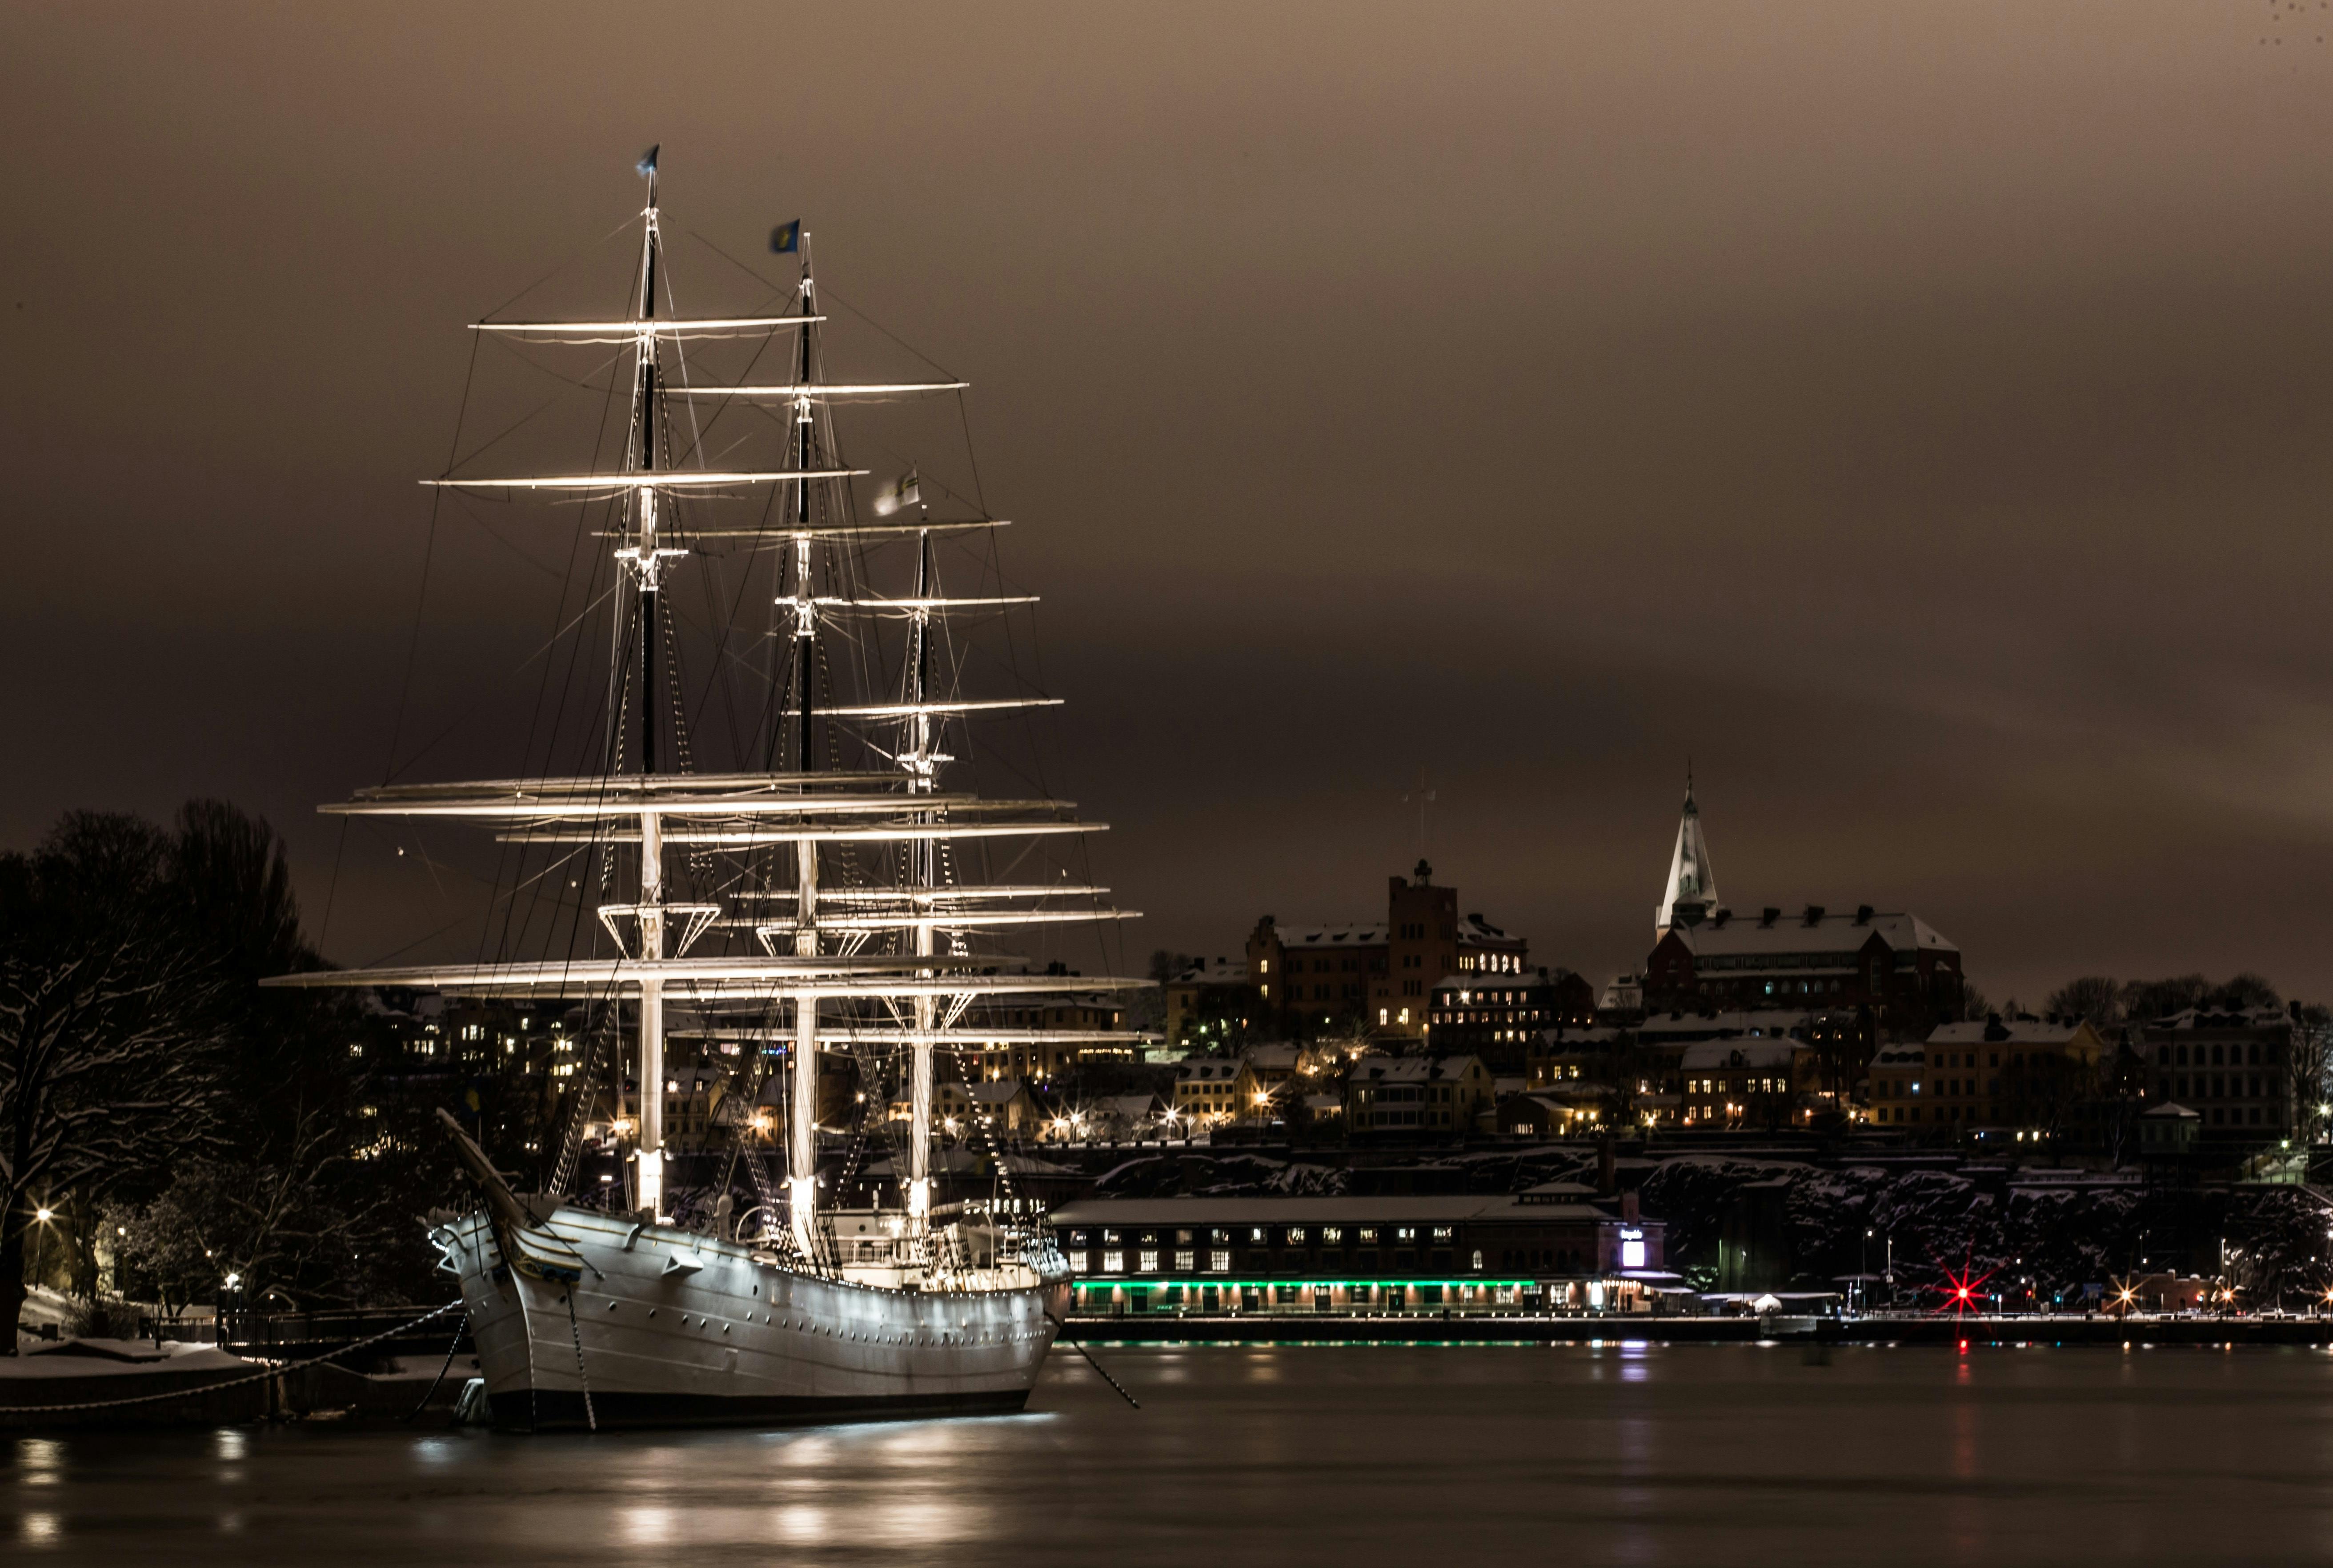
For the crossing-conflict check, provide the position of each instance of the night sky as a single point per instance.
(1912, 414)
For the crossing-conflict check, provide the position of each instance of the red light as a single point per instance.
(1964, 1292)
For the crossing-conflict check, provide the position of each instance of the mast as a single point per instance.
(805, 606)
(921, 782)
(646, 570)
(802, 1160)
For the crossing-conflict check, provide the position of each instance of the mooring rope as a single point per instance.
(234, 1382)
(1081, 1350)
(452, 1346)
(590, 1417)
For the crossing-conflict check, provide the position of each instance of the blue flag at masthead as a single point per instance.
(786, 238)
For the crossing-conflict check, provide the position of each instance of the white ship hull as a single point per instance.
(666, 1327)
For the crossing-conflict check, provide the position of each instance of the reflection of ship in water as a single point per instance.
(832, 892)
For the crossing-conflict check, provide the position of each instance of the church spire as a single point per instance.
(1691, 891)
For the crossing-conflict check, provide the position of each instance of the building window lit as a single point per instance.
(1186, 1262)
(1078, 1260)
(1113, 1263)
(1219, 1261)
(1150, 1260)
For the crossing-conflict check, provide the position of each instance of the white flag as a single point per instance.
(907, 491)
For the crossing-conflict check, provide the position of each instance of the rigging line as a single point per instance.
(516, 347)
(495, 534)
(515, 426)
(583, 533)
(429, 553)
(333, 887)
(554, 271)
(777, 291)
(473, 710)
(829, 293)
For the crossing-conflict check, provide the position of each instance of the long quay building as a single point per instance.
(1555, 1248)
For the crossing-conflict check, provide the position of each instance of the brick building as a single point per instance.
(1378, 974)
(1497, 1016)
(1890, 967)
(2233, 1067)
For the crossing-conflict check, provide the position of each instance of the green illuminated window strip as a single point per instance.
(1216, 1282)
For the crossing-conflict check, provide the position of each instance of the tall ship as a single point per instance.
(833, 890)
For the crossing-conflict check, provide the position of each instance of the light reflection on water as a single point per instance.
(1621, 1451)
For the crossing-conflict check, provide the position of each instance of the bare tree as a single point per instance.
(108, 1024)
(2306, 1064)
(2098, 997)
(2144, 1001)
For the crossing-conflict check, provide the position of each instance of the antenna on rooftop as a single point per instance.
(1425, 799)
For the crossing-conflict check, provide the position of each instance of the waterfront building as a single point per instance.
(1497, 1016)
(2167, 1131)
(1890, 967)
(1209, 1090)
(1006, 1102)
(1212, 992)
(1899, 1069)
(1416, 1097)
(1136, 1116)
(2233, 1065)
(1746, 1083)
(1036, 1036)
(1554, 1246)
(1548, 1115)
(1378, 974)
(2021, 1074)
(1622, 1002)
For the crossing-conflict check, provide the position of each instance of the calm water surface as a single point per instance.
(1711, 1455)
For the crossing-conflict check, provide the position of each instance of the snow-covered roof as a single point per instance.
(1730, 933)
(2171, 1110)
(1204, 1070)
(1901, 1054)
(1412, 1069)
(1130, 1212)
(1703, 1055)
(1221, 972)
(2195, 1019)
(1345, 933)
(1273, 1058)
(1601, 1037)
(2023, 1029)
(1474, 928)
(1753, 1023)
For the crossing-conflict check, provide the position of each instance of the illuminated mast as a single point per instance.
(801, 1144)
(645, 563)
